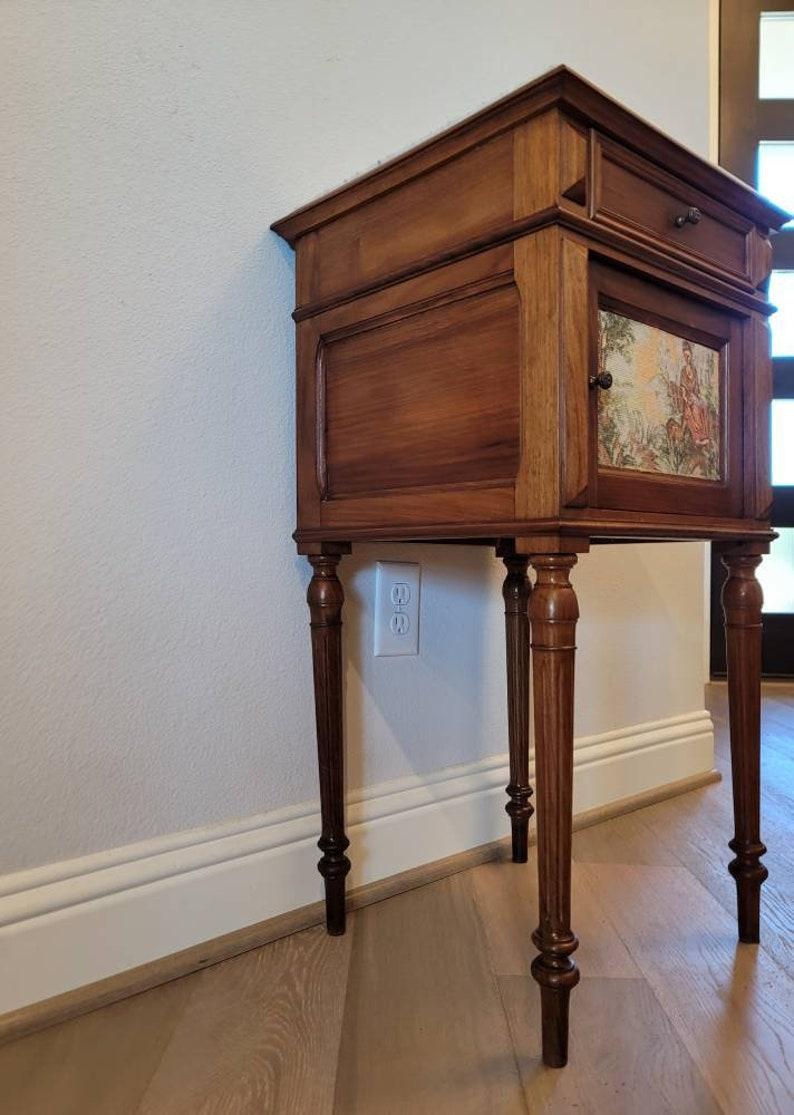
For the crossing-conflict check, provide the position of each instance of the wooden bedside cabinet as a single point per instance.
(542, 330)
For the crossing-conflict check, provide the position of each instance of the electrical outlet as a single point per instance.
(396, 608)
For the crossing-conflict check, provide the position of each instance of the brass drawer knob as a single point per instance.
(604, 381)
(691, 217)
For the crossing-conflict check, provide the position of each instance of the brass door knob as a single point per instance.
(604, 381)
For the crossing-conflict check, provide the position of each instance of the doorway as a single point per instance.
(757, 144)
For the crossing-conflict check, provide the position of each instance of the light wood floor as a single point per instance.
(427, 1005)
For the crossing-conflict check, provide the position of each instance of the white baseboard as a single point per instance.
(71, 923)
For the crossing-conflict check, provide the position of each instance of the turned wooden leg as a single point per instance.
(553, 612)
(516, 590)
(325, 598)
(741, 600)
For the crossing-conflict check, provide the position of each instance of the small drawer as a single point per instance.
(647, 203)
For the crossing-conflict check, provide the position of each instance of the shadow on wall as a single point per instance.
(238, 595)
(447, 706)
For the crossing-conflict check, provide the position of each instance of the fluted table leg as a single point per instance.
(553, 614)
(325, 598)
(742, 600)
(516, 591)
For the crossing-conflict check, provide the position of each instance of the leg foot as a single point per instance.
(325, 598)
(553, 614)
(516, 592)
(519, 829)
(334, 896)
(749, 874)
(554, 1003)
(742, 600)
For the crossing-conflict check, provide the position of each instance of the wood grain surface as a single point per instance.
(416, 1044)
(404, 416)
(258, 1033)
(428, 1005)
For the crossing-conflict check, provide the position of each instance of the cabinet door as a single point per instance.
(667, 435)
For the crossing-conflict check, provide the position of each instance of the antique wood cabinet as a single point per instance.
(542, 330)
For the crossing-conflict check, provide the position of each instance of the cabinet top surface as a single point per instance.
(582, 102)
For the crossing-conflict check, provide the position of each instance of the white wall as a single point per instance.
(155, 652)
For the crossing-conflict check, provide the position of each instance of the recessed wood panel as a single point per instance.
(430, 399)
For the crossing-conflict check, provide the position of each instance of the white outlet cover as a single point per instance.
(397, 585)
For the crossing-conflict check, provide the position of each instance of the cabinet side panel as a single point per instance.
(458, 202)
(430, 399)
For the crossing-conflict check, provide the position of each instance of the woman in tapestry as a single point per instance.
(694, 410)
(662, 412)
(694, 423)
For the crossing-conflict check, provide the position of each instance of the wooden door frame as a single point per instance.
(744, 119)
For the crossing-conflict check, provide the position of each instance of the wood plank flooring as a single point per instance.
(427, 1005)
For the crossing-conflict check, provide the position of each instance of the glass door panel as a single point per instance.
(776, 49)
(776, 172)
(782, 442)
(757, 144)
(781, 294)
(776, 574)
